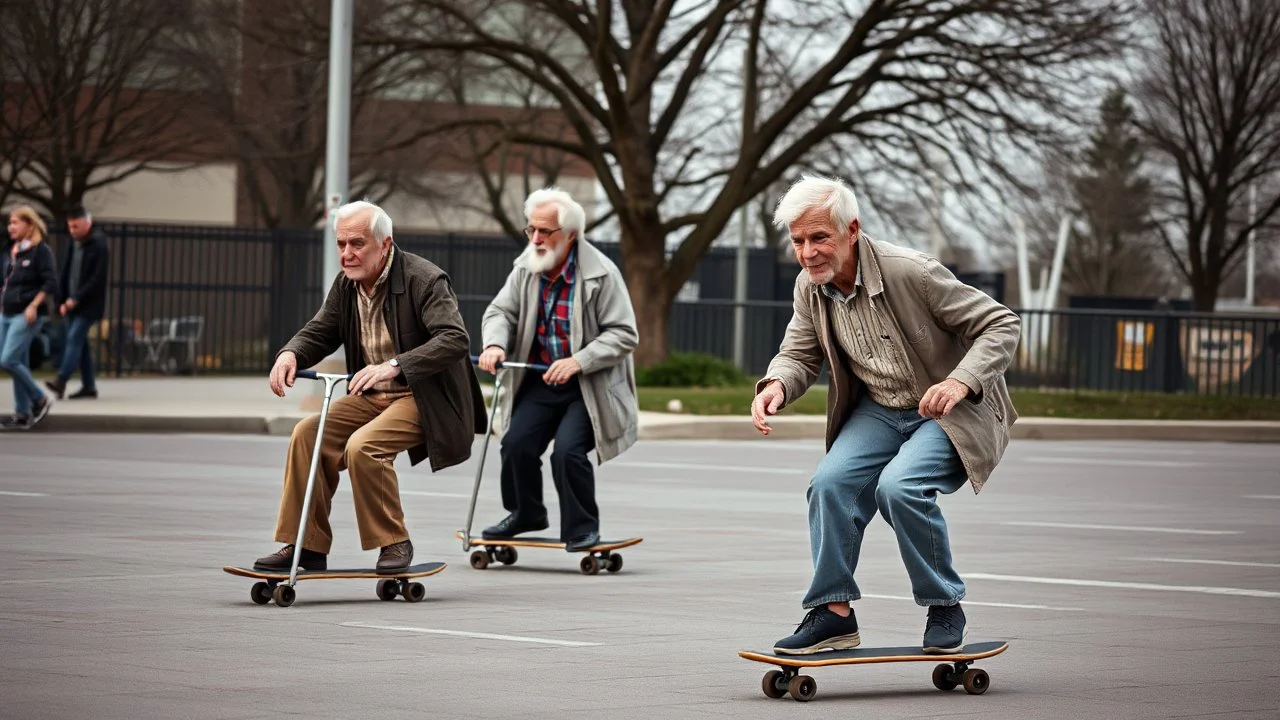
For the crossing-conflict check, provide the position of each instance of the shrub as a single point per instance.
(691, 370)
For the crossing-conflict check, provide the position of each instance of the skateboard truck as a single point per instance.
(488, 431)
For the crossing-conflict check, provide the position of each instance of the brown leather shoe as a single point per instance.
(395, 557)
(282, 559)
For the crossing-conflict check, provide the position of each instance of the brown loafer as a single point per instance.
(395, 557)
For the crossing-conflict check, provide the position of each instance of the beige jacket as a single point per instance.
(946, 328)
(602, 337)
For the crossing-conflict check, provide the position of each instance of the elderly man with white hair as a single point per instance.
(917, 406)
(396, 317)
(564, 305)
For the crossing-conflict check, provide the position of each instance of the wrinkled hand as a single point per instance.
(371, 375)
(30, 315)
(941, 398)
(490, 358)
(283, 372)
(765, 404)
(560, 371)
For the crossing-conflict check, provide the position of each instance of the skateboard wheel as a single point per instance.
(284, 595)
(589, 565)
(802, 688)
(260, 593)
(942, 677)
(772, 684)
(506, 555)
(387, 589)
(479, 560)
(614, 563)
(976, 681)
(414, 592)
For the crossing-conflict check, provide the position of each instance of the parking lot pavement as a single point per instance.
(1133, 580)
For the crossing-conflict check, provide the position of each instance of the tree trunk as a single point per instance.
(646, 282)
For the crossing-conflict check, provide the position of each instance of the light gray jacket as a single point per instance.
(947, 329)
(602, 338)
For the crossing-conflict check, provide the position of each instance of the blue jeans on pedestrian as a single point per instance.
(77, 353)
(15, 350)
(895, 462)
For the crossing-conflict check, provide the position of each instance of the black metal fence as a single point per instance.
(221, 300)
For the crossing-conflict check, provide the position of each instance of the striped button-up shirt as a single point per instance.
(375, 336)
(871, 342)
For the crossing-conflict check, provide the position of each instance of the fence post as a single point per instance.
(119, 343)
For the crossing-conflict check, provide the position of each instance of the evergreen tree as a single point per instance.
(1116, 254)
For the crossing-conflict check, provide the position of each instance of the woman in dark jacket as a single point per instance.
(29, 279)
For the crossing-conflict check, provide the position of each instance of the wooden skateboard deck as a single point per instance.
(390, 583)
(503, 550)
(952, 671)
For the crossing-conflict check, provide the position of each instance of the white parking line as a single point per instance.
(1261, 497)
(768, 470)
(480, 635)
(1119, 528)
(1108, 461)
(424, 493)
(99, 578)
(1015, 606)
(14, 493)
(1188, 561)
(1204, 590)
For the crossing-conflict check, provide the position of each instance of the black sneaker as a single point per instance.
(582, 542)
(15, 422)
(39, 409)
(510, 527)
(821, 629)
(84, 394)
(282, 559)
(945, 631)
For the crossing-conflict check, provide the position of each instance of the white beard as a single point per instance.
(544, 261)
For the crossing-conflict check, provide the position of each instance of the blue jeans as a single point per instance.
(896, 462)
(77, 353)
(15, 349)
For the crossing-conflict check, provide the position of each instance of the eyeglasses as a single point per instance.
(530, 231)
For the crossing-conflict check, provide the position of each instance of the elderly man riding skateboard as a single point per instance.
(564, 305)
(917, 406)
(396, 316)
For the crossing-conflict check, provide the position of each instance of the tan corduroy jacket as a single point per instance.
(946, 328)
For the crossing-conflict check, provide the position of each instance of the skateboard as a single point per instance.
(952, 672)
(390, 584)
(600, 555)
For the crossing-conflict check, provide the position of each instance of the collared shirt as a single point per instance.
(551, 341)
(870, 342)
(375, 336)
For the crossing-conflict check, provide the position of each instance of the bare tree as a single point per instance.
(686, 110)
(97, 103)
(266, 71)
(1210, 107)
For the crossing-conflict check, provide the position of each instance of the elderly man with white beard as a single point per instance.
(565, 306)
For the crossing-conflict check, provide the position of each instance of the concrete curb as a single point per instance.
(657, 426)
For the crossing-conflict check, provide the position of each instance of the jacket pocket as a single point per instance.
(919, 336)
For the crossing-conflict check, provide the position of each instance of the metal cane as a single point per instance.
(330, 379)
(488, 431)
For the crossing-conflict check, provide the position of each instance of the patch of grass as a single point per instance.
(1029, 403)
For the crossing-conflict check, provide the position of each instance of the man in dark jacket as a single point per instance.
(82, 300)
(396, 316)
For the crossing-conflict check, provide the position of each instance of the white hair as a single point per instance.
(813, 191)
(379, 220)
(569, 213)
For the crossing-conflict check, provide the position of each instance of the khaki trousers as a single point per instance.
(363, 435)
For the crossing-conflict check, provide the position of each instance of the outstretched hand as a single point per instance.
(767, 403)
(284, 372)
